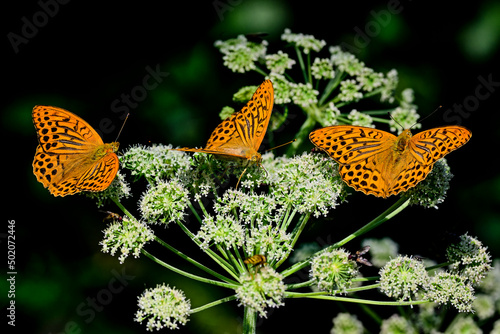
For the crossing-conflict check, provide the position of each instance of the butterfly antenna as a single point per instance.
(291, 141)
(402, 127)
(119, 132)
(429, 114)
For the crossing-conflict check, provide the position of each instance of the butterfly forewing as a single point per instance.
(429, 146)
(348, 144)
(240, 135)
(62, 132)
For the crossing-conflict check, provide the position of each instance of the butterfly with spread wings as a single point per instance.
(378, 163)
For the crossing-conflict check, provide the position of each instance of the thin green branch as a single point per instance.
(315, 295)
(330, 86)
(223, 263)
(186, 274)
(260, 71)
(301, 62)
(194, 262)
(383, 217)
(125, 211)
(295, 234)
(300, 285)
(214, 303)
(195, 213)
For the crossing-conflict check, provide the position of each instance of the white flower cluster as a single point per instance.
(163, 307)
(126, 237)
(262, 290)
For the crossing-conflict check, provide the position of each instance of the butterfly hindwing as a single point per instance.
(362, 175)
(347, 144)
(99, 175)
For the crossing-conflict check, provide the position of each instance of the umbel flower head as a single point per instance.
(163, 307)
(333, 271)
(308, 182)
(118, 189)
(155, 162)
(240, 54)
(261, 290)
(397, 324)
(403, 277)
(246, 220)
(164, 202)
(128, 237)
(447, 288)
(469, 259)
(432, 191)
(346, 323)
(305, 42)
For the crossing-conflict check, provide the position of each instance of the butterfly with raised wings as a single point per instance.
(378, 163)
(71, 156)
(239, 136)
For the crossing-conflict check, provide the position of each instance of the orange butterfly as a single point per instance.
(378, 163)
(71, 156)
(240, 135)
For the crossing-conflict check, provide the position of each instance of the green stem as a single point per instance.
(379, 112)
(309, 74)
(220, 261)
(315, 295)
(125, 211)
(194, 262)
(371, 313)
(195, 213)
(301, 62)
(249, 321)
(383, 217)
(258, 70)
(185, 273)
(295, 233)
(214, 303)
(381, 120)
(332, 84)
(300, 285)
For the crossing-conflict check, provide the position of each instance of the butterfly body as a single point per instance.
(71, 156)
(378, 163)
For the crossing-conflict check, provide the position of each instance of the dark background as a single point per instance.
(88, 54)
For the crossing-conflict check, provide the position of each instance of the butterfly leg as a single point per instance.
(239, 179)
